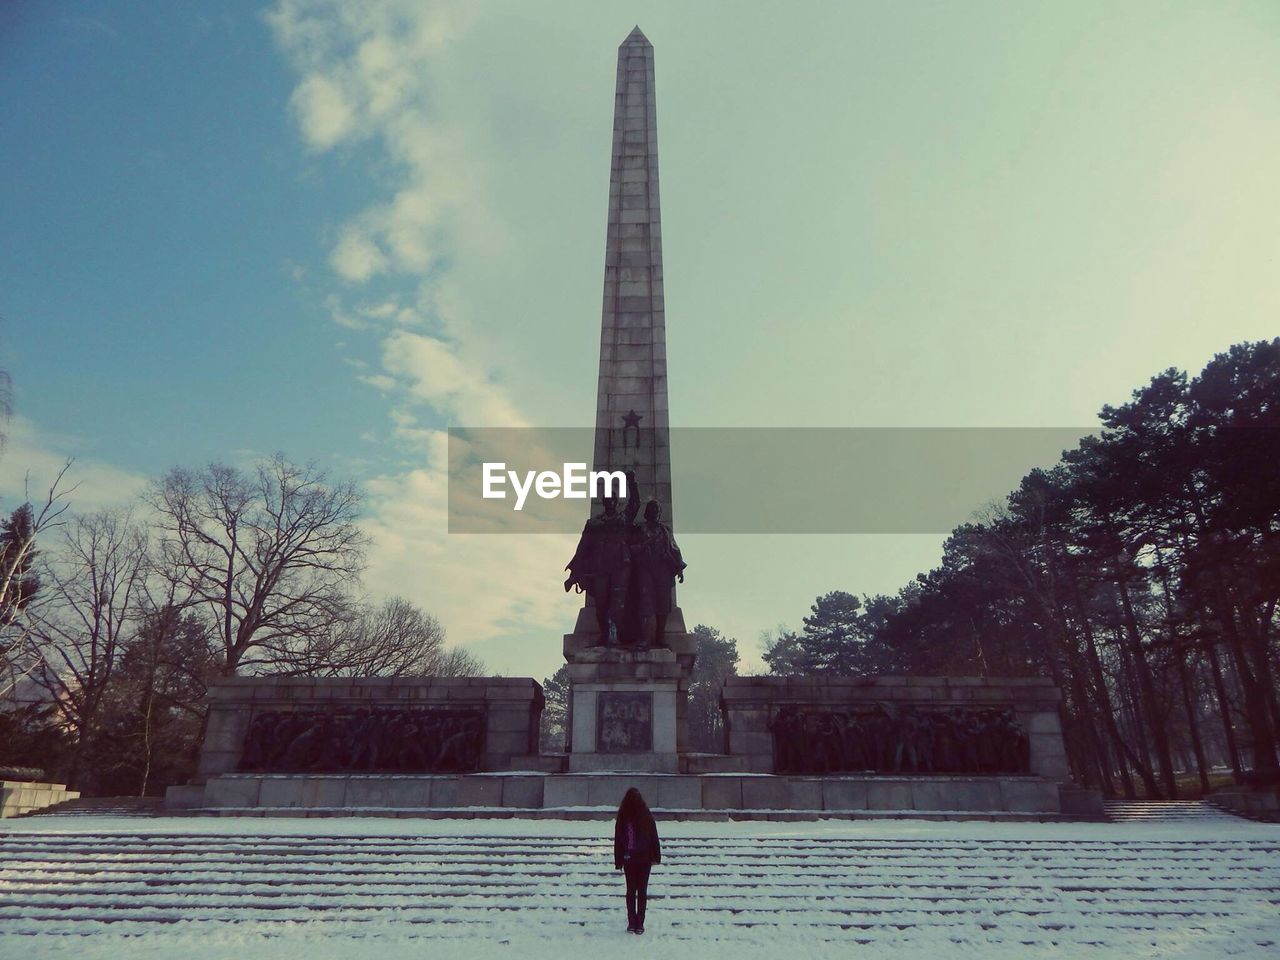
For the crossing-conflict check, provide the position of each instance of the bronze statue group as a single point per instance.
(629, 570)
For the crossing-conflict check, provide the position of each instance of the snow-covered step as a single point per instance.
(1102, 889)
(103, 807)
(588, 813)
(1162, 811)
(546, 889)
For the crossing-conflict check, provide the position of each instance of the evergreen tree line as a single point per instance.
(1141, 574)
(114, 622)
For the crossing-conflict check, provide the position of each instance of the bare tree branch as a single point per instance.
(94, 578)
(20, 655)
(270, 554)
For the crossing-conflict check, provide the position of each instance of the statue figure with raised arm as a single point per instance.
(602, 563)
(656, 565)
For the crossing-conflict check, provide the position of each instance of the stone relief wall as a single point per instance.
(884, 740)
(369, 740)
(894, 725)
(370, 725)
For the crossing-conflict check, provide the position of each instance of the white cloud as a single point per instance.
(382, 311)
(379, 381)
(31, 459)
(323, 110)
(422, 440)
(363, 68)
(343, 317)
(363, 74)
(357, 257)
(457, 387)
(477, 584)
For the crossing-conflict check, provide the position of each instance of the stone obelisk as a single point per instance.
(615, 691)
(631, 401)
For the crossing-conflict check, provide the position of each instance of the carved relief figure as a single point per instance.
(390, 740)
(984, 740)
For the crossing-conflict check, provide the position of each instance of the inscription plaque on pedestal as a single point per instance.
(624, 722)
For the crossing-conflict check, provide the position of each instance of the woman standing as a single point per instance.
(635, 851)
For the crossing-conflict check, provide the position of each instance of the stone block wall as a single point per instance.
(24, 796)
(1260, 802)
(512, 705)
(739, 795)
(749, 704)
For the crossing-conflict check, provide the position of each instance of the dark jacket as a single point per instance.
(646, 837)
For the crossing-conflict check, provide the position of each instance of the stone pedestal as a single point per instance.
(627, 705)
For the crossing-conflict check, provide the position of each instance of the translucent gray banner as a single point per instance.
(753, 480)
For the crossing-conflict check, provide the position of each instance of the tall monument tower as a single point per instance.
(627, 700)
(631, 402)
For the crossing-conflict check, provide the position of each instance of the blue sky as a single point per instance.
(336, 229)
(157, 206)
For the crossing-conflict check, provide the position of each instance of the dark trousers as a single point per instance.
(637, 890)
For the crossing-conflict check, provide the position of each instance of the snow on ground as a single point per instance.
(1229, 827)
(94, 888)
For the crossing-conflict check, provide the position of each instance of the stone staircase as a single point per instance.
(529, 795)
(1254, 803)
(104, 807)
(1128, 892)
(20, 797)
(1163, 811)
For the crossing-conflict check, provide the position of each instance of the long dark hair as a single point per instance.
(633, 807)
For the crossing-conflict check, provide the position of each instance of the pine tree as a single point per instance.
(716, 659)
(551, 733)
(832, 637)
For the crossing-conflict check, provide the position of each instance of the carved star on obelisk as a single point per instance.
(631, 419)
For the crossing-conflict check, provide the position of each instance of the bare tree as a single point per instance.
(92, 583)
(20, 656)
(269, 553)
(6, 407)
(392, 640)
(457, 662)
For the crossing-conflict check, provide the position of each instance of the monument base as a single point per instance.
(596, 795)
(586, 638)
(626, 710)
(652, 762)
